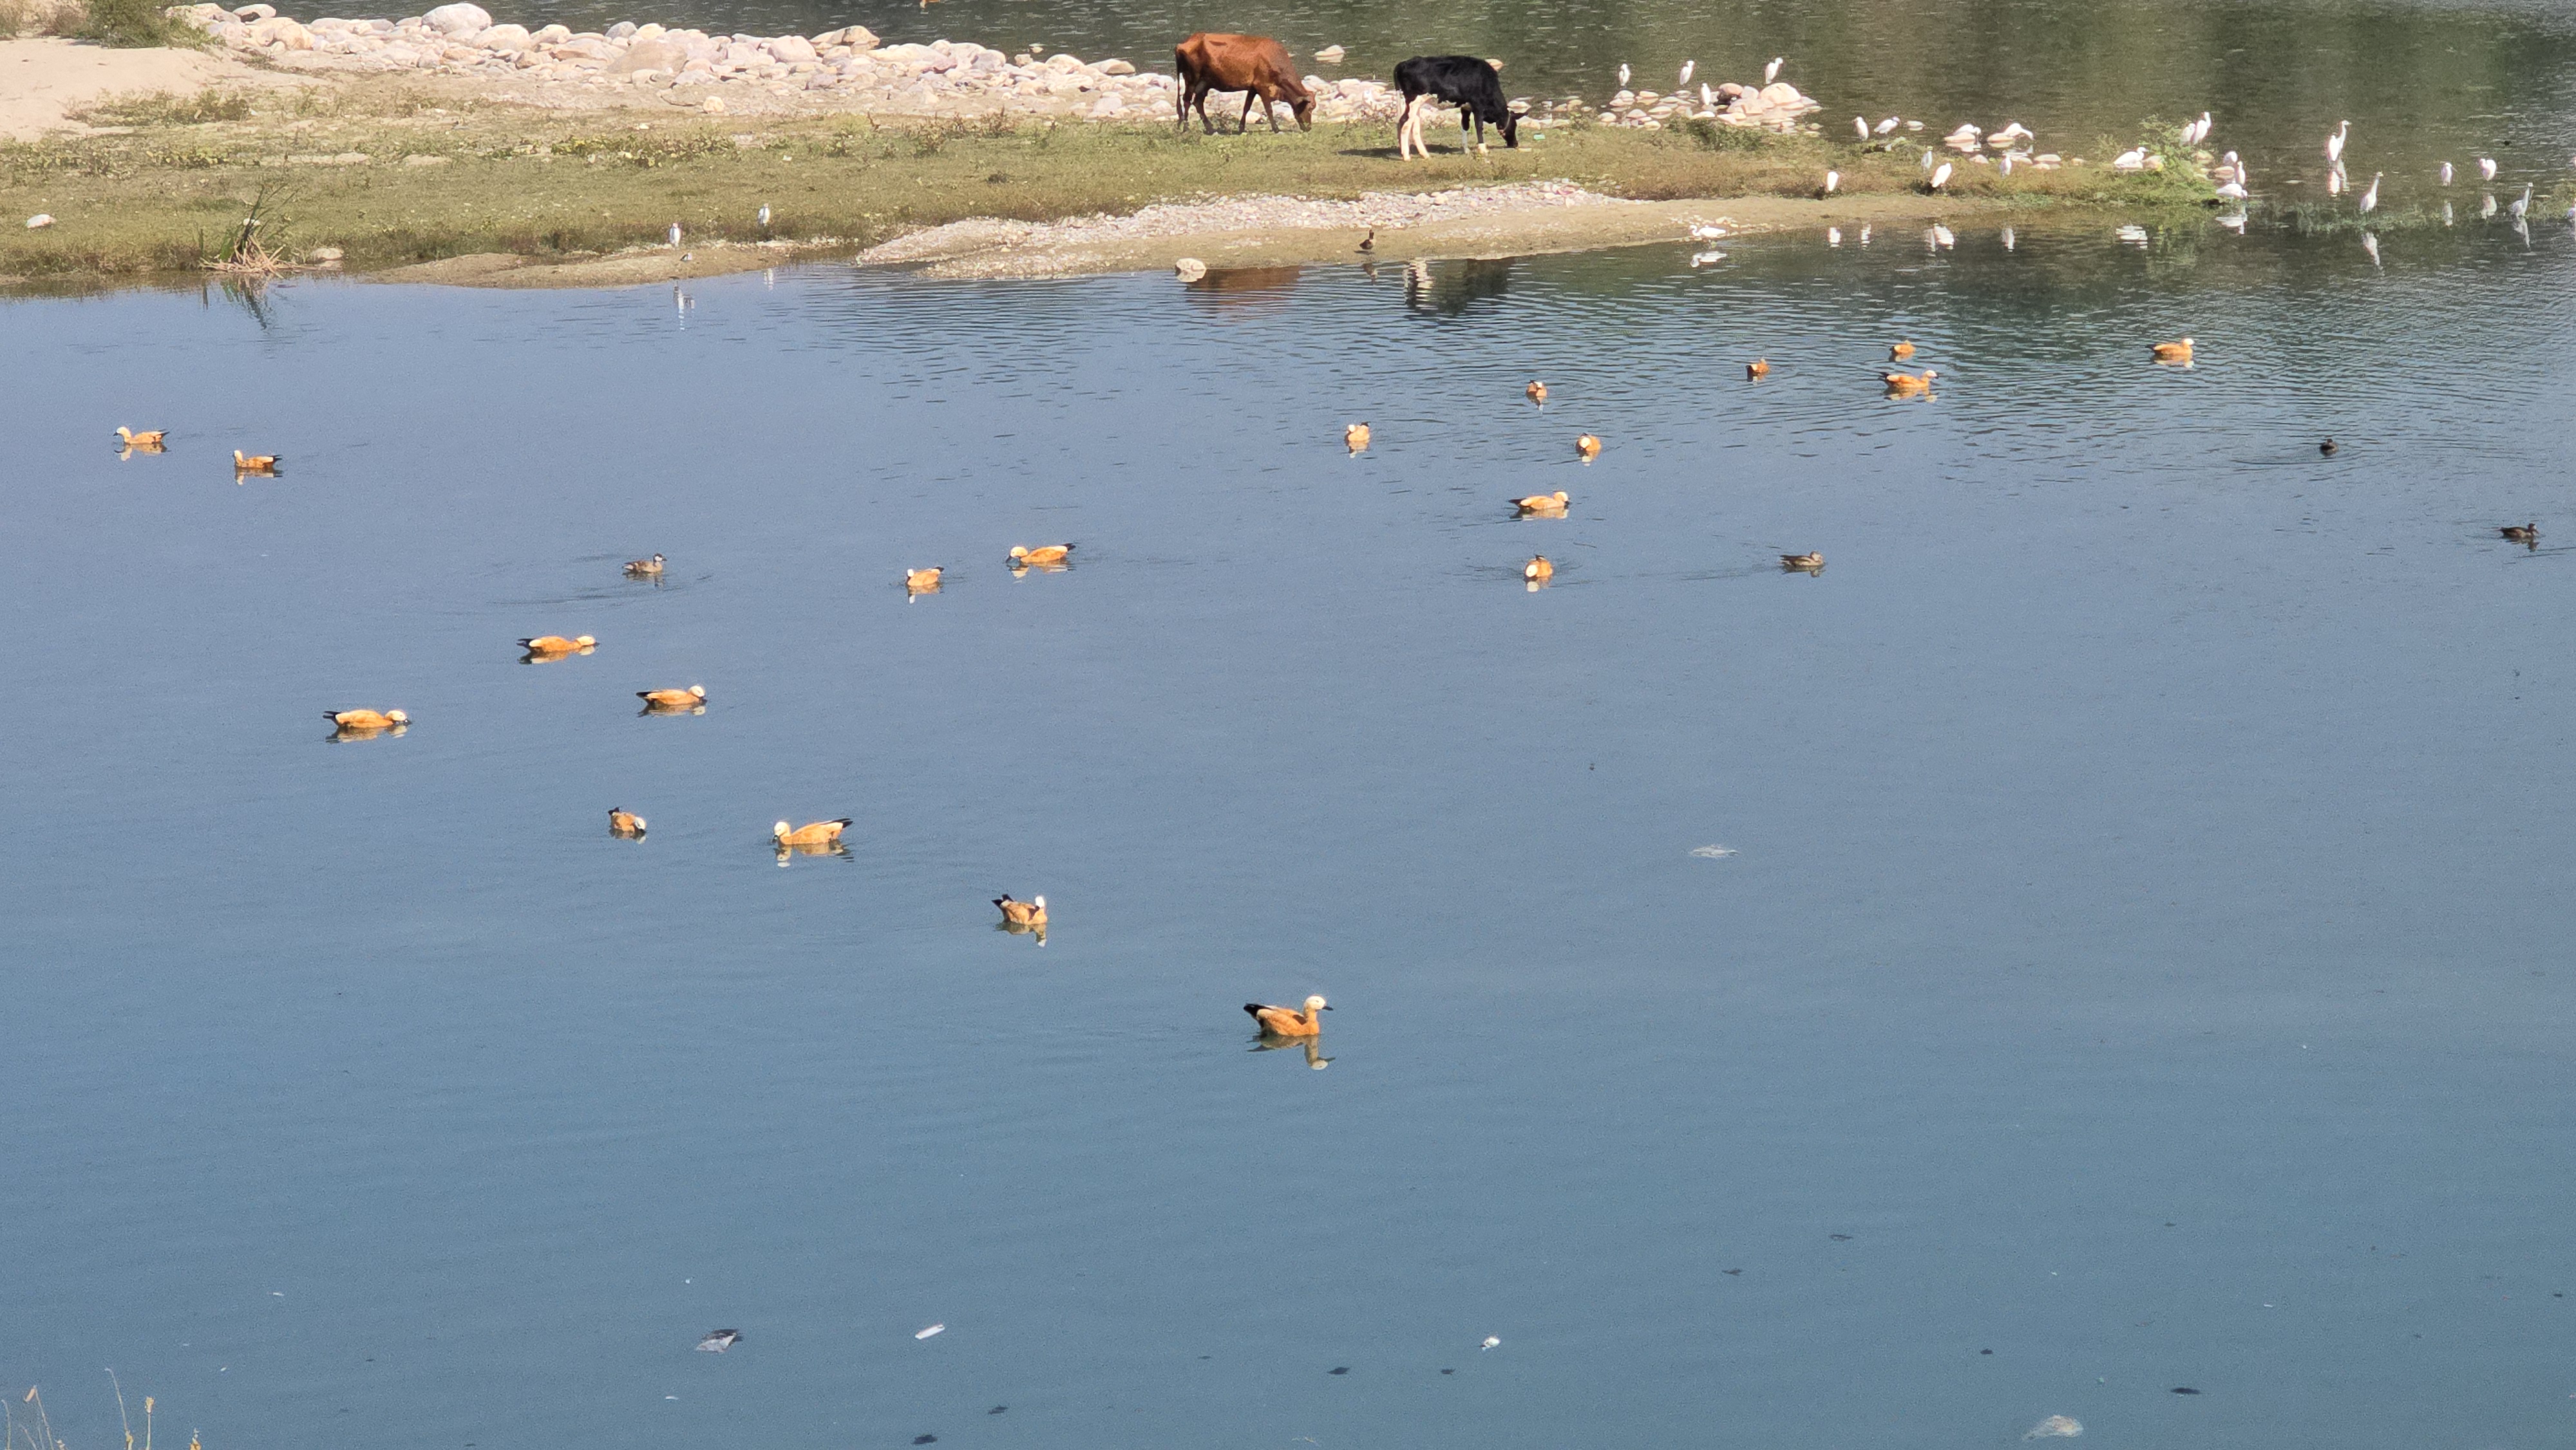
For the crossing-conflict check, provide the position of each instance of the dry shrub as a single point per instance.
(41, 17)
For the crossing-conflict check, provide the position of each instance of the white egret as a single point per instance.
(2200, 129)
(1700, 232)
(2486, 168)
(764, 216)
(1623, 75)
(2370, 198)
(1940, 175)
(1833, 236)
(2446, 173)
(2233, 191)
(2133, 159)
(1687, 67)
(1890, 124)
(1707, 97)
(2334, 144)
(1771, 72)
(1832, 180)
(1860, 124)
(675, 234)
(2521, 204)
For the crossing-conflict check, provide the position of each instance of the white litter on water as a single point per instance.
(1712, 852)
(2055, 1425)
(1490, 1341)
(934, 1329)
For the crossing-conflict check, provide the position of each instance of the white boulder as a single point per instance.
(459, 19)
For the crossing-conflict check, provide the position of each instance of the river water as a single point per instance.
(2094, 940)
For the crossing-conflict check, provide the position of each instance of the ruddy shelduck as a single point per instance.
(1760, 367)
(1906, 385)
(144, 442)
(923, 581)
(812, 833)
(1900, 351)
(623, 822)
(367, 719)
(255, 463)
(1289, 1022)
(1022, 913)
(1537, 391)
(645, 568)
(555, 644)
(1587, 446)
(2522, 533)
(1356, 437)
(1538, 570)
(1543, 503)
(1043, 557)
(2176, 351)
(692, 698)
(1809, 560)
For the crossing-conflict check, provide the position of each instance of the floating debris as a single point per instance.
(934, 1329)
(925, 1439)
(1712, 852)
(720, 1340)
(1339, 1369)
(2185, 1390)
(1491, 1340)
(2066, 1425)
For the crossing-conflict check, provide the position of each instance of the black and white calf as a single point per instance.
(1470, 84)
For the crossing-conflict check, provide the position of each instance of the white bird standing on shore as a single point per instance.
(1890, 124)
(1687, 67)
(2446, 173)
(764, 216)
(1771, 72)
(1832, 180)
(2334, 144)
(2370, 198)
(1860, 124)
(675, 234)
(2486, 168)
(1940, 175)
(1707, 97)
(1623, 75)
(2233, 191)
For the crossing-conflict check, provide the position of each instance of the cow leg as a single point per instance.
(1185, 105)
(1270, 109)
(1405, 136)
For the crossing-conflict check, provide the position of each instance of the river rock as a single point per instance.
(792, 48)
(459, 19)
(281, 31)
(505, 39)
(649, 55)
(255, 12)
(622, 30)
(1189, 269)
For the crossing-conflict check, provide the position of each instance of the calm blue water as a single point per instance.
(2141, 958)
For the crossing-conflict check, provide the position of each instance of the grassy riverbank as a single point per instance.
(394, 173)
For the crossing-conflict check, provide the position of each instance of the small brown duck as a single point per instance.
(1536, 391)
(693, 699)
(1760, 367)
(1552, 504)
(2523, 533)
(1369, 243)
(812, 833)
(260, 463)
(368, 719)
(1908, 385)
(623, 822)
(1810, 562)
(1289, 1022)
(1356, 437)
(555, 646)
(1587, 447)
(644, 568)
(1049, 556)
(2176, 351)
(923, 581)
(143, 442)
(1022, 913)
(1538, 570)
(1899, 352)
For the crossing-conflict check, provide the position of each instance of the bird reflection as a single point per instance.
(817, 848)
(365, 732)
(1014, 928)
(1313, 1048)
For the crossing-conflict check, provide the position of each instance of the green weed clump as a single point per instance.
(165, 108)
(136, 25)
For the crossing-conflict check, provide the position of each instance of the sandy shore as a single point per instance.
(43, 81)
(1278, 231)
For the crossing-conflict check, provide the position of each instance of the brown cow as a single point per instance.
(1253, 64)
